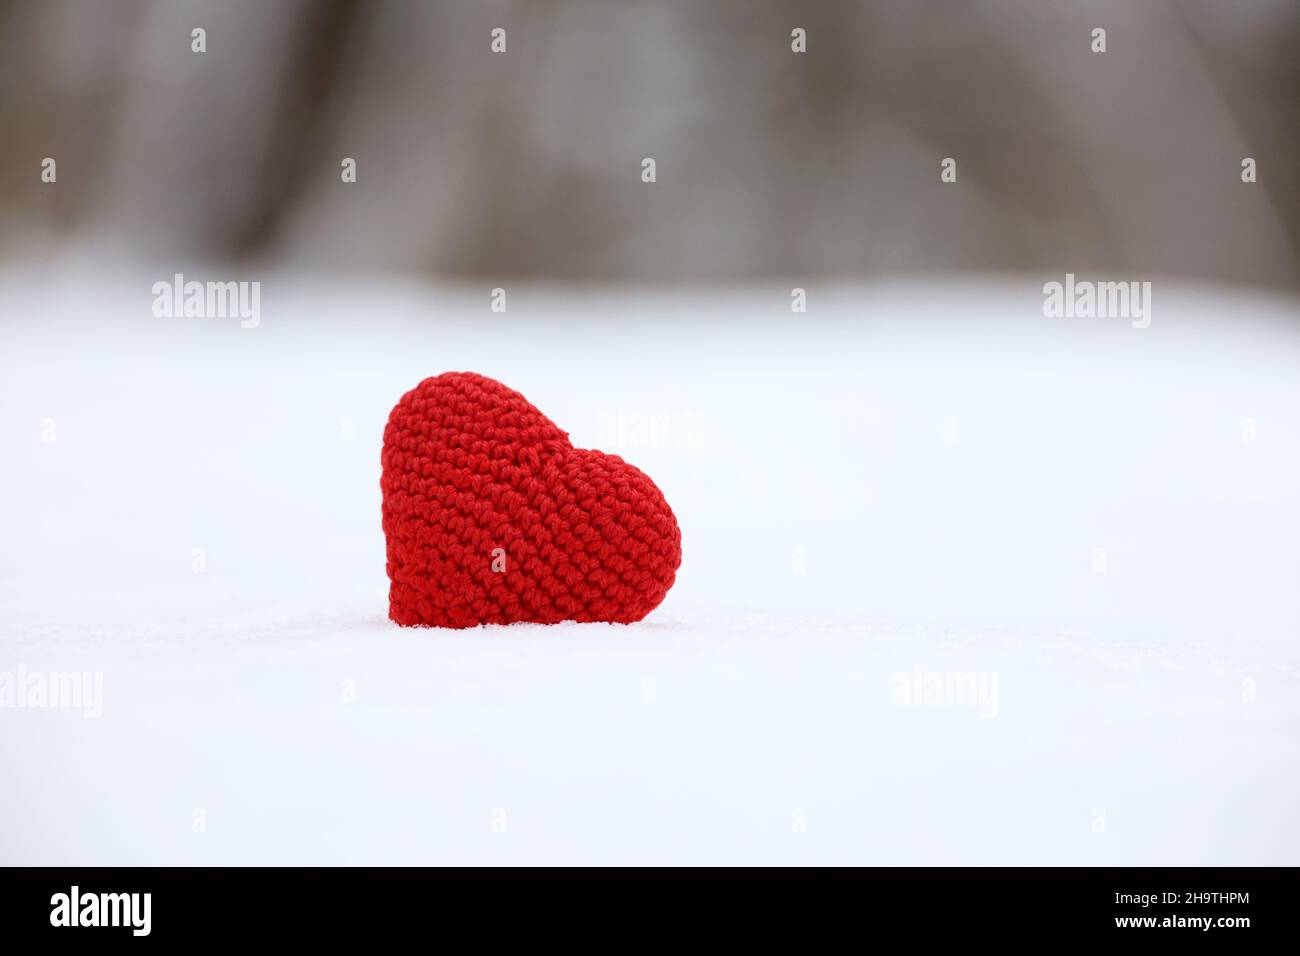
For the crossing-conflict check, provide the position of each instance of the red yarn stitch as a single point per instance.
(470, 467)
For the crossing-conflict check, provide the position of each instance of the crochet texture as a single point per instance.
(493, 517)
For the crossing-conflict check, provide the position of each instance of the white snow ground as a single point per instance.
(909, 478)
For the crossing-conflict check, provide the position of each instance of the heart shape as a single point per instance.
(493, 517)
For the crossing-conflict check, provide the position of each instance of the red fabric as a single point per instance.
(471, 467)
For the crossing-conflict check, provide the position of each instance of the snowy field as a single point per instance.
(961, 583)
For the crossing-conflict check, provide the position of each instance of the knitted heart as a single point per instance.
(493, 517)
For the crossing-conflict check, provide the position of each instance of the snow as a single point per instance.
(915, 481)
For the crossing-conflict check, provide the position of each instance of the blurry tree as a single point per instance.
(770, 162)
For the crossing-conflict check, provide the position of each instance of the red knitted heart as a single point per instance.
(493, 517)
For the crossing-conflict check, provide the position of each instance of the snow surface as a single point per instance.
(912, 478)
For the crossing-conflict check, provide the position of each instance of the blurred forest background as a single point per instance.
(770, 163)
